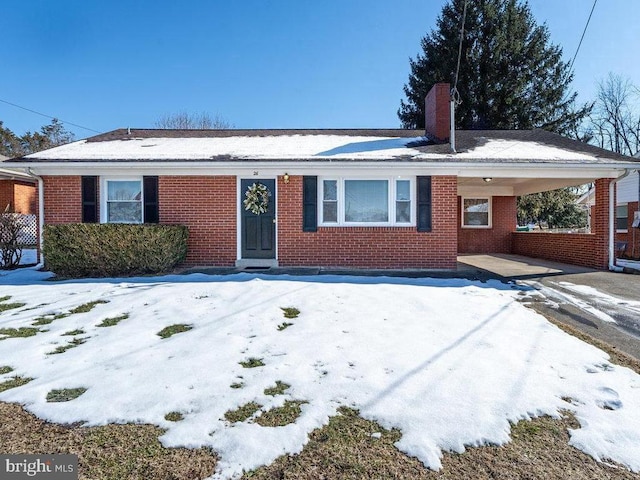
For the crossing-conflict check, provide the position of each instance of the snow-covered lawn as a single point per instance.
(448, 362)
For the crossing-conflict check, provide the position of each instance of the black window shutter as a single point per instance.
(309, 203)
(424, 204)
(89, 199)
(150, 195)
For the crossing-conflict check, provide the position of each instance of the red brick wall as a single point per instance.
(370, 247)
(20, 196)
(573, 248)
(207, 206)
(24, 195)
(6, 194)
(589, 250)
(62, 199)
(496, 239)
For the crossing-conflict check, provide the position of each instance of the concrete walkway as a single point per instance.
(605, 305)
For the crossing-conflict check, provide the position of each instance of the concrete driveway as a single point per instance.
(603, 304)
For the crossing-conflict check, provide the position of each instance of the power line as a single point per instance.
(582, 37)
(454, 90)
(49, 116)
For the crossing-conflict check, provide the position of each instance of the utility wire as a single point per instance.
(49, 116)
(454, 91)
(582, 37)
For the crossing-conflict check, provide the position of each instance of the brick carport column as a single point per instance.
(600, 226)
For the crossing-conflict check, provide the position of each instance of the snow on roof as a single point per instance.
(474, 146)
(259, 148)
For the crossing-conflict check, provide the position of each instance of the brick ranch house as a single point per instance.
(338, 198)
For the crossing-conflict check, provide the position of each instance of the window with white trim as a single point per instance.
(366, 201)
(122, 201)
(622, 218)
(476, 212)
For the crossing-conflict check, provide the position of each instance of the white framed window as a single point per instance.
(476, 212)
(622, 218)
(122, 200)
(366, 201)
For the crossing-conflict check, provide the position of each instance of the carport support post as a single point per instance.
(601, 223)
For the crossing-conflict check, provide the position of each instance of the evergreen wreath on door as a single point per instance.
(257, 198)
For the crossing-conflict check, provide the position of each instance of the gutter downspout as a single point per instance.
(612, 221)
(40, 216)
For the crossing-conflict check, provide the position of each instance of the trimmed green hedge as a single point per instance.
(107, 250)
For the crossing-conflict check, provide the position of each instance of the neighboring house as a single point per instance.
(335, 198)
(17, 190)
(626, 213)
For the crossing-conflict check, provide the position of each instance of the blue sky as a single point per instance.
(257, 63)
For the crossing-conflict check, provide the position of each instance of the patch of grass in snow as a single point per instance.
(111, 322)
(173, 417)
(166, 332)
(237, 385)
(281, 416)
(284, 325)
(18, 332)
(65, 394)
(5, 369)
(72, 344)
(242, 413)
(87, 307)
(71, 333)
(47, 319)
(42, 321)
(14, 382)
(10, 306)
(279, 389)
(130, 451)
(290, 312)
(35, 306)
(84, 308)
(252, 363)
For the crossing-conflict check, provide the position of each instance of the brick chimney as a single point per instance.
(437, 111)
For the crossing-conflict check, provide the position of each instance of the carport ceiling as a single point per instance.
(471, 186)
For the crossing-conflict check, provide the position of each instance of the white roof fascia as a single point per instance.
(12, 174)
(240, 167)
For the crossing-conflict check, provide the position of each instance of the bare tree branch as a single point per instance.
(615, 120)
(192, 121)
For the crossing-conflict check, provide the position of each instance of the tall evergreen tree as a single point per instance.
(49, 136)
(10, 145)
(511, 76)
